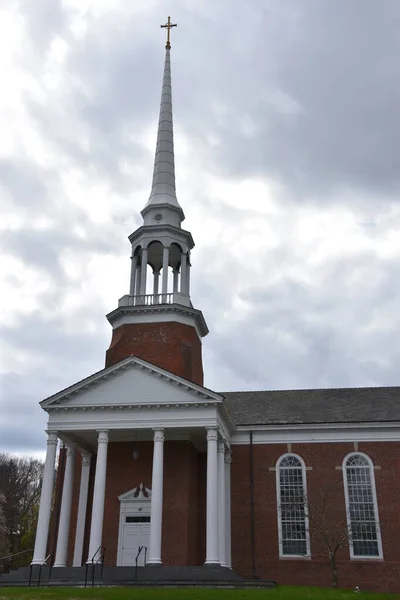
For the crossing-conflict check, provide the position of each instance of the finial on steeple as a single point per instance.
(168, 25)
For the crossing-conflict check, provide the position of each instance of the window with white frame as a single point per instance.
(361, 507)
(292, 506)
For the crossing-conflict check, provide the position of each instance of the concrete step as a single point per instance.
(263, 584)
(163, 576)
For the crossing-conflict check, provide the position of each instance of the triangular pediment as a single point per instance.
(132, 382)
(137, 494)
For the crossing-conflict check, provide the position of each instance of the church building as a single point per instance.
(269, 484)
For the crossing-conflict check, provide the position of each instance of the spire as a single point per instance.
(163, 193)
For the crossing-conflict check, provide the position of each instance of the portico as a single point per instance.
(111, 421)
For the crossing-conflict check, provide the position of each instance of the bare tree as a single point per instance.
(4, 538)
(329, 532)
(20, 484)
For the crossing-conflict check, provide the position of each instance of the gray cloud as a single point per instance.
(303, 94)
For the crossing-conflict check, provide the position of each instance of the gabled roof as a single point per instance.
(81, 387)
(336, 405)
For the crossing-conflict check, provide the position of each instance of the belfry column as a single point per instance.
(133, 276)
(96, 528)
(212, 557)
(155, 282)
(165, 270)
(82, 504)
(143, 272)
(65, 513)
(221, 504)
(176, 280)
(156, 499)
(183, 273)
(228, 551)
(42, 529)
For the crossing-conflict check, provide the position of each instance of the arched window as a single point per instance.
(361, 506)
(294, 539)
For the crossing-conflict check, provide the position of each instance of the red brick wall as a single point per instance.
(182, 510)
(323, 458)
(171, 346)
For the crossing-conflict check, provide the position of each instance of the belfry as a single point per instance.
(156, 320)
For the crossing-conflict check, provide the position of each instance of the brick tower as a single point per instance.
(156, 320)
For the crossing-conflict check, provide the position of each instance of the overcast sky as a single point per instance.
(287, 134)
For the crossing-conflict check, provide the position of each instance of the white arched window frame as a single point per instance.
(361, 507)
(291, 489)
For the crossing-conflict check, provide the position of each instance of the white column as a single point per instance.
(65, 512)
(143, 271)
(156, 499)
(221, 504)
(165, 270)
(82, 505)
(183, 273)
(133, 276)
(188, 267)
(155, 282)
(46, 496)
(138, 281)
(96, 527)
(212, 557)
(176, 280)
(228, 551)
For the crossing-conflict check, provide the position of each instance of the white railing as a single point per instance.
(155, 299)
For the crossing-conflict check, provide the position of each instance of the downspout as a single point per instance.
(252, 511)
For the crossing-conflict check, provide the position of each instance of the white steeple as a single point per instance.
(160, 260)
(163, 192)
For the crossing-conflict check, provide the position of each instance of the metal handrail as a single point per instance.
(15, 554)
(94, 562)
(40, 565)
(137, 558)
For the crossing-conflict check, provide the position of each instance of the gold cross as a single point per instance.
(168, 25)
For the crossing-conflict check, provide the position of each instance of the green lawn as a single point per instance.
(115, 593)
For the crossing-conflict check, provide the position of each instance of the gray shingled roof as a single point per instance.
(341, 405)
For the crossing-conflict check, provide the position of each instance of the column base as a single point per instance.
(59, 565)
(36, 562)
(154, 563)
(212, 563)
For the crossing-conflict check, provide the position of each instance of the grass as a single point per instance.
(120, 593)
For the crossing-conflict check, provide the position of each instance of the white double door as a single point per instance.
(136, 535)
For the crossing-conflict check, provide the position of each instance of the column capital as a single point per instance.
(103, 437)
(212, 435)
(158, 435)
(228, 456)
(52, 438)
(86, 458)
(221, 446)
(70, 447)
